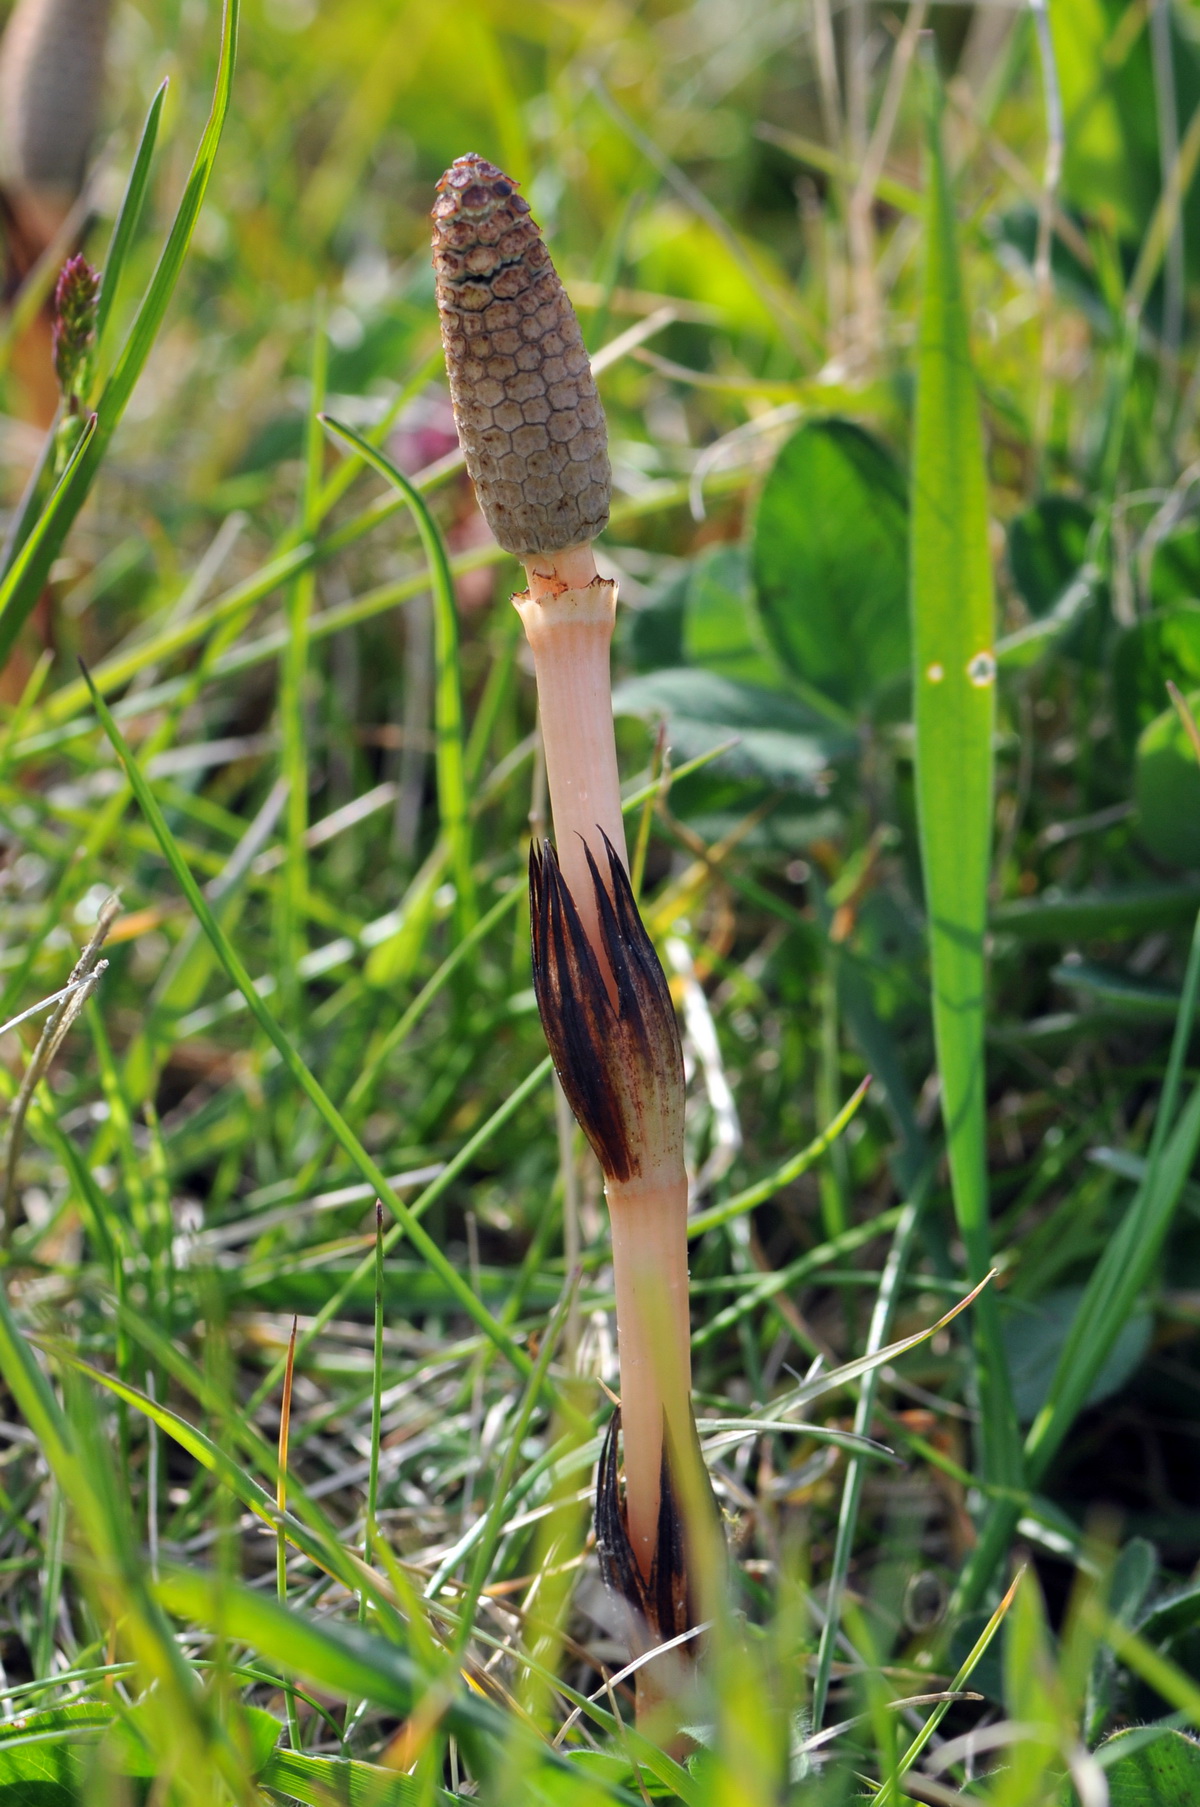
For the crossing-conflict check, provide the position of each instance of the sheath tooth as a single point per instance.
(525, 402)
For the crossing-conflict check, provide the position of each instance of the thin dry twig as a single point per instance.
(1184, 712)
(85, 976)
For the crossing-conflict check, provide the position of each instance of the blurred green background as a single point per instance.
(736, 195)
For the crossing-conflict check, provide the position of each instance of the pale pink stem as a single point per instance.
(568, 614)
(650, 1268)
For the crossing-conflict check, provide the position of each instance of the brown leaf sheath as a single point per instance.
(662, 1605)
(529, 418)
(621, 1066)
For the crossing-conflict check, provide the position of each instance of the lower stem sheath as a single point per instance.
(650, 1269)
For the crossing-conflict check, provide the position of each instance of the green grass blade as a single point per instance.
(316, 1781)
(886, 1793)
(130, 214)
(294, 700)
(954, 685)
(432, 1192)
(856, 1471)
(1112, 1291)
(85, 1482)
(295, 1066)
(792, 1168)
(448, 713)
(119, 387)
(317, 1540)
(486, 1547)
(18, 593)
(342, 1658)
(349, 1661)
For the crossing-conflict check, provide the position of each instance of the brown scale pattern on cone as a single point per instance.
(529, 418)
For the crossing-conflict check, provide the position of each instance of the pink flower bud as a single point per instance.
(75, 295)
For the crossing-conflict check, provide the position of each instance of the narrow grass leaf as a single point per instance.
(453, 803)
(954, 684)
(43, 546)
(129, 215)
(325, 1550)
(874, 1358)
(1114, 1288)
(295, 1066)
(343, 1658)
(957, 1686)
(852, 1488)
(318, 1781)
(18, 593)
(1112, 1291)
(783, 1175)
(349, 1661)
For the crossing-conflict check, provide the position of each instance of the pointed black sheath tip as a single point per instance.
(662, 1606)
(621, 1066)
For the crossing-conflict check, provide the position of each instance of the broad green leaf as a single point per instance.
(829, 551)
(1174, 575)
(1167, 789)
(652, 634)
(779, 738)
(128, 1747)
(1164, 1773)
(1116, 914)
(1165, 644)
(1172, 1616)
(954, 686)
(42, 1760)
(1133, 1576)
(1047, 544)
(1035, 1335)
(46, 1759)
(721, 628)
(1118, 991)
(338, 1782)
